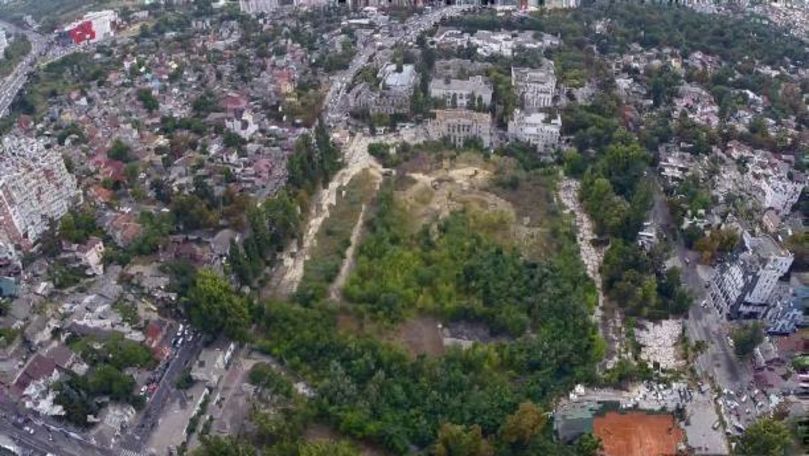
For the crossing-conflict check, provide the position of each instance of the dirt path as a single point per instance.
(348, 263)
(288, 274)
(592, 256)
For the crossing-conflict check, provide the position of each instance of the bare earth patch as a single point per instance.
(420, 336)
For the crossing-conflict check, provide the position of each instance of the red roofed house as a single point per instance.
(124, 229)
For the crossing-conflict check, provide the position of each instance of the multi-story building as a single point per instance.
(460, 125)
(776, 191)
(743, 287)
(258, 6)
(535, 87)
(3, 42)
(35, 188)
(92, 27)
(472, 93)
(393, 94)
(537, 129)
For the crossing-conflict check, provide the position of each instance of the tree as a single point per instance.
(215, 308)
(456, 440)
(192, 213)
(149, 101)
(746, 338)
(326, 448)
(283, 216)
(77, 226)
(120, 151)
(223, 446)
(524, 424)
(798, 244)
(718, 241)
(588, 445)
(238, 263)
(766, 437)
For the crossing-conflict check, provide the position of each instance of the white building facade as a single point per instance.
(35, 188)
(462, 93)
(534, 87)
(460, 126)
(537, 129)
(744, 286)
(258, 6)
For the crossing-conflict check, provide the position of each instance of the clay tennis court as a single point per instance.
(638, 434)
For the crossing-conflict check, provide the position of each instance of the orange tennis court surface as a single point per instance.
(638, 434)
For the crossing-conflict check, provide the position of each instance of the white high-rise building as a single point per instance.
(258, 6)
(744, 285)
(3, 42)
(35, 188)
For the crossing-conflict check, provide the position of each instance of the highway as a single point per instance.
(15, 81)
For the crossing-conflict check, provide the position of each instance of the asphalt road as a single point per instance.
(718, 361)
(135, 439)
(47, 439)
(15, 81)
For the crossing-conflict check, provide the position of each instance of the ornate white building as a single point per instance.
(535, 87)
(460, 125)
(537, 129)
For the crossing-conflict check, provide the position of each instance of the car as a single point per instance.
(28, 429)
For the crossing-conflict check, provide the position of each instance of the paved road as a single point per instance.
(135, 439)
(15, 81)
(718, 361)
(44, 438)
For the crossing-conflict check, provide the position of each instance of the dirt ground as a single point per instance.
(638, 434)
(420, 336)
(431, 191)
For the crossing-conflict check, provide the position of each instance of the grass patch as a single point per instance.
(128, 312)
(334, 238)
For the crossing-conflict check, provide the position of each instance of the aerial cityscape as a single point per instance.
(459, 228)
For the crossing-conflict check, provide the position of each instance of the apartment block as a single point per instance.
(744, 286)
(258, 6)
(475, 92)
(35, 188)
(460, 125)
(537, 129)
(535, 87)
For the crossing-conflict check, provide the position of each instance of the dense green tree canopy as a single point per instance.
(215, 308)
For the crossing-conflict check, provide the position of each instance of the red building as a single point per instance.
(82, 32)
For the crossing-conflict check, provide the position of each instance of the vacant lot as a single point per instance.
(420, 336)
(334, 237)
(638, 434)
